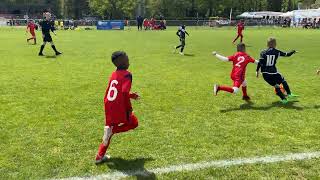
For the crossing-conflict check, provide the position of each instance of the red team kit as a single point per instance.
(119, 116)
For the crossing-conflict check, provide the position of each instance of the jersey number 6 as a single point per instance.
(113, 89)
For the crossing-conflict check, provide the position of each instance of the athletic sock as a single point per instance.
(280, 94)
(41, 49)
(244, 90)
(226, 88)
(102, 150)
(286, 87)
(182, 48)
(54, 48)
(177, 47)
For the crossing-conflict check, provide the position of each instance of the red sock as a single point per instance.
(226, 88)
(244, 91)
(103, 149)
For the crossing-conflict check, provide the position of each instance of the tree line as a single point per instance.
(170, 9)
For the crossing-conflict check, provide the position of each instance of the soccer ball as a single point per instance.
(282, 90)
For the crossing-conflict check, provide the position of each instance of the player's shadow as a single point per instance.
(189, 55)
(250, 106)
(51, 57)
(133, 167)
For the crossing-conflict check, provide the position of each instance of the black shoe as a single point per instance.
(58, 53)
(40, 54)
(246, 98)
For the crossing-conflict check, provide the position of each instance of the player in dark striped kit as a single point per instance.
(267, 63)
(181, 33)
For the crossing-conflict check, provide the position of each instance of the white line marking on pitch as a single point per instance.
(202, 165)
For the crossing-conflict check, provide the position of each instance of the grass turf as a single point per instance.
(52, 118)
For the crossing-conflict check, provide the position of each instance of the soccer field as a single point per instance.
(52, 116)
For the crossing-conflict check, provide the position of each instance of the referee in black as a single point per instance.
(46, 26)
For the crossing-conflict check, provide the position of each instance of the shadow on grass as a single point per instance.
(133, 167)
(249, 106)
(51, 57)
(190, 55)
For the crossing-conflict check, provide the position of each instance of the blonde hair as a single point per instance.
(272, 42)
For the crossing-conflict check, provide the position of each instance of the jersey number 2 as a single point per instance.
(241, 59)
(113, 89)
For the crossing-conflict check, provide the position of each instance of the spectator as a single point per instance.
(139, 22)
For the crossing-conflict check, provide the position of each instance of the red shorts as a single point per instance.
(33, 34)
(237, 83)
(131, 124)
(132, 121)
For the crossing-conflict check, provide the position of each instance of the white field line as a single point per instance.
(202, 165)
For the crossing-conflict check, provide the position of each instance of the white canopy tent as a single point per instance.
(287, 14)
(250, 15)
(260, 15)
(307, 13)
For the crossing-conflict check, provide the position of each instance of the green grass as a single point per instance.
(52, 118)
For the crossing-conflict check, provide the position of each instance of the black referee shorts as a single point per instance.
(273, 79)
(47, 38)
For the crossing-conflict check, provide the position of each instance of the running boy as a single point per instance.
(118, 110)
(240, 61)
(181, 33)
(31, 28)
(267, 63)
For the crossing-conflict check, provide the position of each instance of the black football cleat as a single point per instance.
(246, 98)
(58, 53)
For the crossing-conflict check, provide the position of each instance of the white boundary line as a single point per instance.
(203, 165)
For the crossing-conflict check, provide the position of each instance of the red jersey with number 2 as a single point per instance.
(240, 61)
(117, 99)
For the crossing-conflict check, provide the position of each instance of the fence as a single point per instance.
(315, 23)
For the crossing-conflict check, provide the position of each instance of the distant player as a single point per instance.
(240, 27)
(240, 61)
(181, 33)
(31, 29)
(46, 26)
(267, 63)
(118, 110)
(318, 72)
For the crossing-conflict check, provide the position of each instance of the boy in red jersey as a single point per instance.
(118, 110)
(240, 27)
(31, 28)
(240, 61)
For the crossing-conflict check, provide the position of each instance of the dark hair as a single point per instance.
(117, 54)
(241, 47)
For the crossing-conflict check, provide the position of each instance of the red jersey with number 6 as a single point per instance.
(240, 61)
(117, 99)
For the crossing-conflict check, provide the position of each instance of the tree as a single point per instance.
(114, 9)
